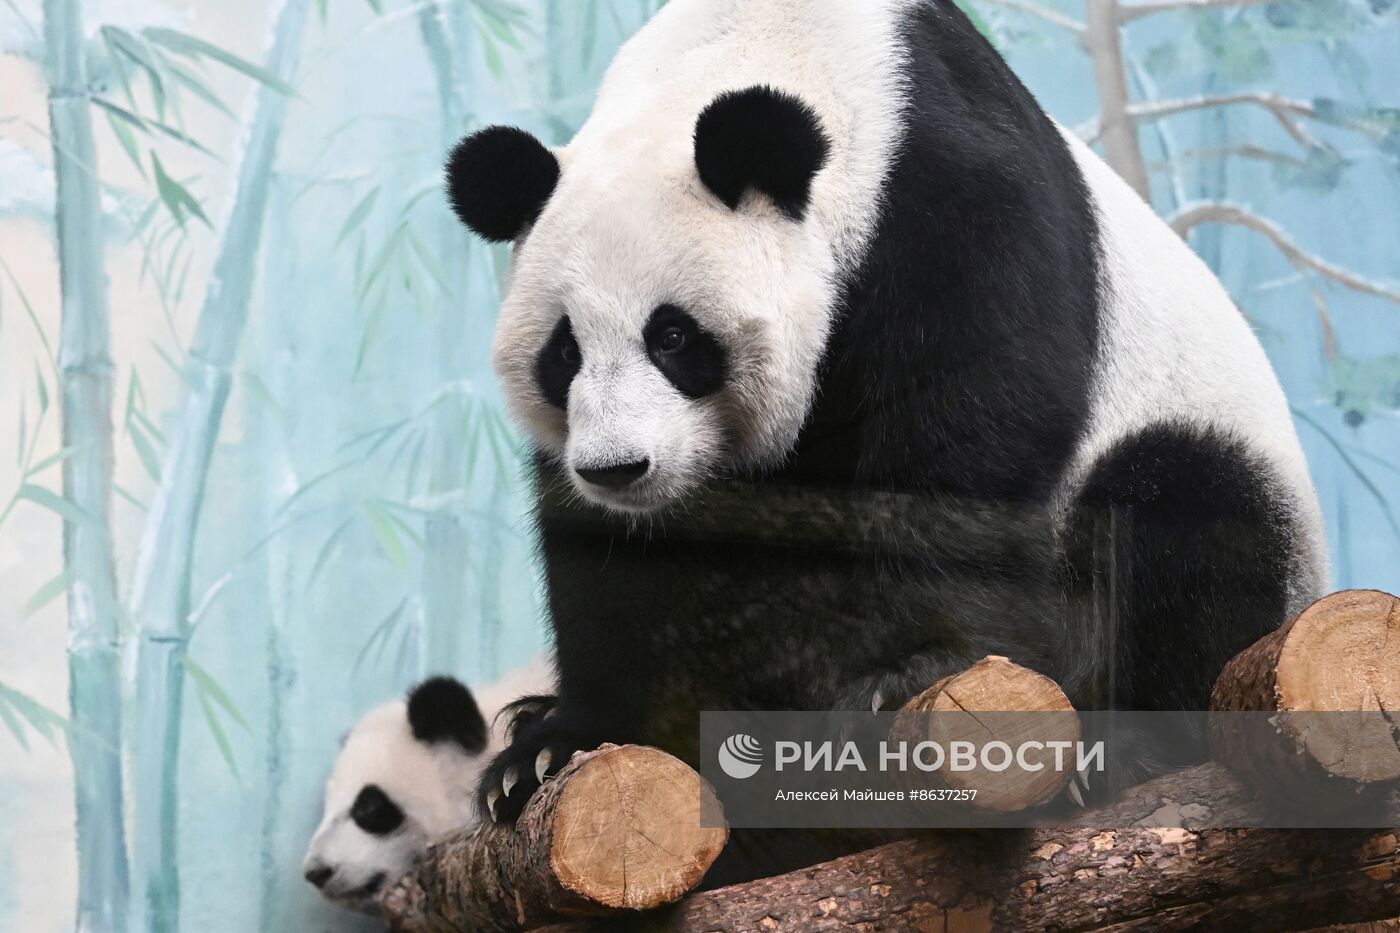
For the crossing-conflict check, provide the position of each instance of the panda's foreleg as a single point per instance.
(1179, 555)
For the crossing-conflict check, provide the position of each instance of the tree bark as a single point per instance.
(617, 830)
(85, 372)
(1331, 680)
(1080, 877)
(161, 587)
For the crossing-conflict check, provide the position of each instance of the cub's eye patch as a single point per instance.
(375, 813)
(685, 353)
(558, 363)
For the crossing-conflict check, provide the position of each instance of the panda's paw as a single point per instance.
(540, 747)
(520, 713)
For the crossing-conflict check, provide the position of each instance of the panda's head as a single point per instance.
(404, 776)
(670, 296)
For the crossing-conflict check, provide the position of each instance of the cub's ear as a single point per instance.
(499, 180)
(762, 139)
(443, 710)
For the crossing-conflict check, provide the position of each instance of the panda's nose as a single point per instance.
(319, 875)
(615, 475)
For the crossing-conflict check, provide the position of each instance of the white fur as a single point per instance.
(631, 227)
(1175, 347)
(432, 784)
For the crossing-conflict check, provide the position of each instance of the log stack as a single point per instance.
(617, 831)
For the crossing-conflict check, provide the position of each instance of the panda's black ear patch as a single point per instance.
(443, 710)
(499, 179)
(762, 139)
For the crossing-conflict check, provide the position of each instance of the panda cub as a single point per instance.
(405, 776)
(846, 366)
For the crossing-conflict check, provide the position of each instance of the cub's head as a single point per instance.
(670, 295)
(404, 776)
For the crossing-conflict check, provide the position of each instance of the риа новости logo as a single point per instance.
(740, 756)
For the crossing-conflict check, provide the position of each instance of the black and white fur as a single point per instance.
(405, 775)
(815, 243)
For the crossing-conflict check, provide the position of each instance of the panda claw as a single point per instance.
(1074, 793)
(509, 780)
(542, 763)
(876, 701)
(493, 801)
(1083, 777)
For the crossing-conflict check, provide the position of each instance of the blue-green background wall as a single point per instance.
(362, 450)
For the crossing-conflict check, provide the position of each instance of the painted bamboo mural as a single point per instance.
(161, 585)
(85, 371)
(290, 443)
(272, 425)
(446, 551)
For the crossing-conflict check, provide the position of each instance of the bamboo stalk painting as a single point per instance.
(260, 476)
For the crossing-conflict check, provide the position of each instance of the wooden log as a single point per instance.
(994, 685)
(1081, 877)
(618, 829)
(1332, 676)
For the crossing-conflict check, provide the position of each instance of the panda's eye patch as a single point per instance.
(687, 355)
(375, 813)
(569, 351)
(558, 363)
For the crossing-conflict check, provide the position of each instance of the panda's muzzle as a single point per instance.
(616, 475)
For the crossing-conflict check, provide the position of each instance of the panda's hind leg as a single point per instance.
(1179, 554)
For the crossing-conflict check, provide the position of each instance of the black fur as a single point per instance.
(954, 391)
(499, 179)
(697, 365)
(764, 140)
(1197, 539)
(444, 710)
(962, 359)
(557, 364)
(374, 812)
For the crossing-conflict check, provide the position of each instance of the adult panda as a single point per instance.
(837, 246)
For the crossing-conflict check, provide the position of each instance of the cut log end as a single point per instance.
(1331, 681)
(1003, 689)
(1342, 655)
(627, 830)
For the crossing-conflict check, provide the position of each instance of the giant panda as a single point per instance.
(836, 249)
(404, 776)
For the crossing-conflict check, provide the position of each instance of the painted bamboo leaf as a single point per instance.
(192, 83)
(357, 216)
(18, 711)
(194, 47)
(176, 196)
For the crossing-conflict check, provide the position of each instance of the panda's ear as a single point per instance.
(761, 139)
(499, 179)
(443, 710)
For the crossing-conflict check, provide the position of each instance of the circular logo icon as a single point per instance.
(740, 756)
